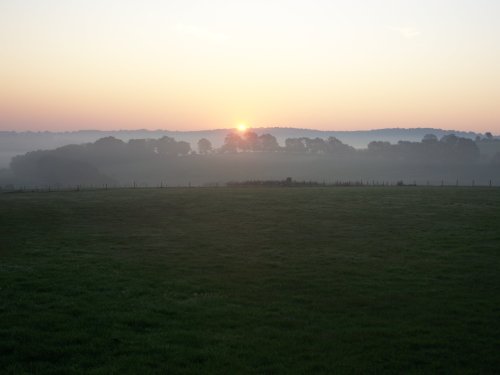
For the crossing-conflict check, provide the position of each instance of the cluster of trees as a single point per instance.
(317, 146)
(45, 167)
(155, 159)
(289, 182)
(252, 142)
(78, 164)
(449, 148)
(138, 148)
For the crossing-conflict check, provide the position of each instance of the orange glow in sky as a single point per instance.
(199, 64)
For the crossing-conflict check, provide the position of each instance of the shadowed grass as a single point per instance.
(365, 280)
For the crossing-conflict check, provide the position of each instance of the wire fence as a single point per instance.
(288, 182)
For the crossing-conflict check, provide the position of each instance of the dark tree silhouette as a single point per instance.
(183, 148)
(46, 167)
(268, 143)
(295, 145)
(204, 146)
(316, 146)
(429, 138)
(335, 146)
(170, 147)
(231, 143)
(141, 148)
(166, 146)
(380, 148)
(249, 141)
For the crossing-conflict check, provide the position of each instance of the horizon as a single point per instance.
(329, 66)
(249, 128)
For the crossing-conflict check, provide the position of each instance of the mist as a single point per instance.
(250, 156)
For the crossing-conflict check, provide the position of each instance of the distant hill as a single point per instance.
(16, 143)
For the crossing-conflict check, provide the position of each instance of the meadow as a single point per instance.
(251, 280)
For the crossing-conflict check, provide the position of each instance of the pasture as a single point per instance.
(251, 280)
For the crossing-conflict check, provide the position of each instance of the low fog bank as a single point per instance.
(247, 156)
(14, 143)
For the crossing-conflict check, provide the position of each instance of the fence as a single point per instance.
(249, 183)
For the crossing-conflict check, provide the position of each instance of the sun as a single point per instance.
(242, 127)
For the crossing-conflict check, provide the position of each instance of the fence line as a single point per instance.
(249, 183)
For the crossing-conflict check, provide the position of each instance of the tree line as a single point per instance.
(154, 158)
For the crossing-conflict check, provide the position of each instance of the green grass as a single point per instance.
(344, 280)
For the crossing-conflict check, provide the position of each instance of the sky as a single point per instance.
(205, 64)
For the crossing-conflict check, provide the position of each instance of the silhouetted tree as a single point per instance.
(52, 169)
(316, 146)
(141, 148)
(166, 146)
(109, 143)
(108, 146)
(466, 150)
(335, 146)
(204, 146)
(268, 143)
(249, 141)
(429, 138)
(183, 148)
(379, 148)
(47, 167)
(169, 146)
(231, 143)
(459, 149)
(295, 145)
(449, 139)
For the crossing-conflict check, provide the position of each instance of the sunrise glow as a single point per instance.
(242, 128)
(192, 65)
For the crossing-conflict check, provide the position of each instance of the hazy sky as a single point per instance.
(186, 64)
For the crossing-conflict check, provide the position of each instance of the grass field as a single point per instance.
(312, 280)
